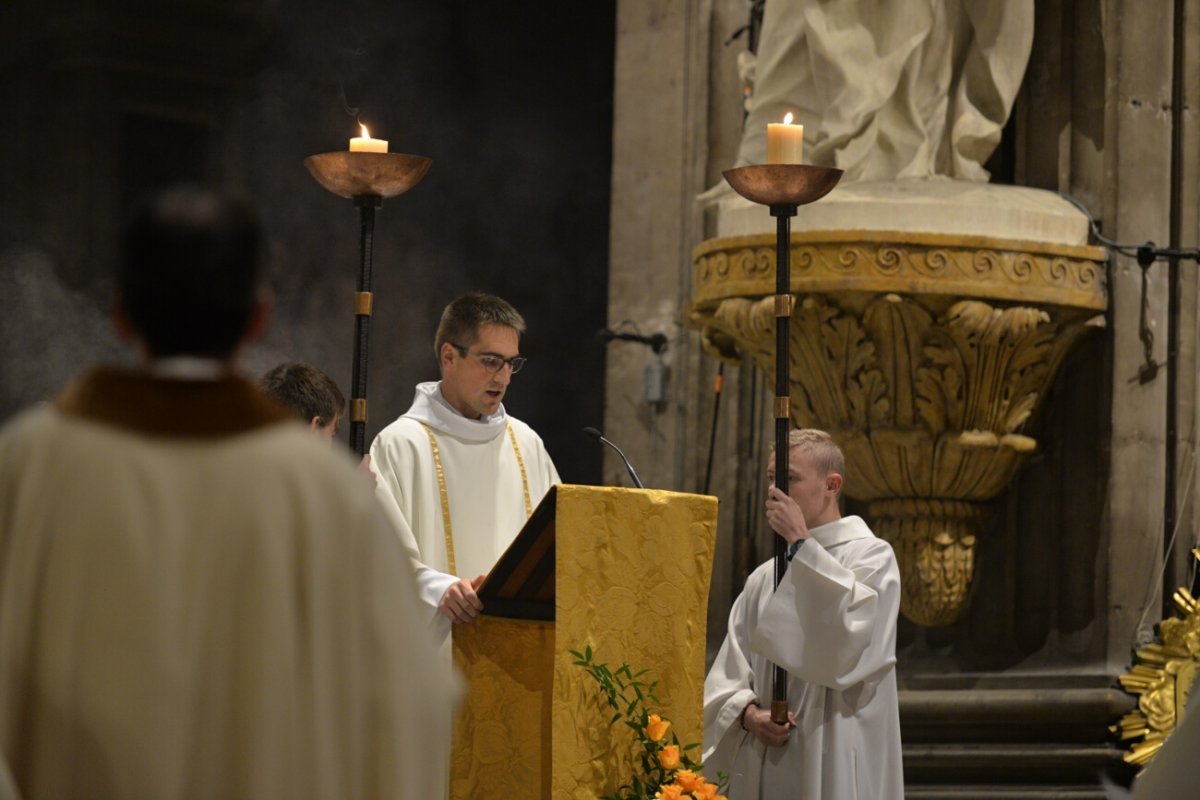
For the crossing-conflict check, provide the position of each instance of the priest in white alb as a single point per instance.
(458, 474)
(831, 624)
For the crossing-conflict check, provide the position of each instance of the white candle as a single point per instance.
(365, 144)
(785, 142)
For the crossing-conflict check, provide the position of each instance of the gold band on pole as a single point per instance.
(363, 302)
(783, 305)
(783, 408)
(358, 410)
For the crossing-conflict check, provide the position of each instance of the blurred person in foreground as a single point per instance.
(196, 599)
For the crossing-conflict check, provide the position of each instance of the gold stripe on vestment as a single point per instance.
(444, 496)
(512, 437)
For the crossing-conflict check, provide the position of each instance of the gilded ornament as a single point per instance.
(1162, 676)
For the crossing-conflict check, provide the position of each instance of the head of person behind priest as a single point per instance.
(189, 280)
(478, 346)
(311, 395)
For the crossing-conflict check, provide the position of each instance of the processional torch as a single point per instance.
(783, 187)
(366, 174)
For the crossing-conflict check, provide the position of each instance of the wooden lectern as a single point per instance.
(623, 570)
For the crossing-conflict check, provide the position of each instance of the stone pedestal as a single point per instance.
(930, 320)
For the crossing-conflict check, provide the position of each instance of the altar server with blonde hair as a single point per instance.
(831, 624)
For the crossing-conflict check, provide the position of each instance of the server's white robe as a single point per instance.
(832, 625)
(198, 599)
(483, 487)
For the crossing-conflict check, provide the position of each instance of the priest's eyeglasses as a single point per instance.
(492, 362)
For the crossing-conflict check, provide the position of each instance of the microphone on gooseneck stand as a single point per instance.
(598, 436)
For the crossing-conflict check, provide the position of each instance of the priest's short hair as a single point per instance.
(462, 319)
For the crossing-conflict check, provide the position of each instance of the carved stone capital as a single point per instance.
(924, 357)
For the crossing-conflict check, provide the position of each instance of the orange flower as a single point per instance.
(656, 728)
(688, 780)
(668, 757)
(705, 791)
(671, 792)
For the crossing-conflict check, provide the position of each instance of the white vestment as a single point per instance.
(485, 484)
(200, 599)
(832, 625)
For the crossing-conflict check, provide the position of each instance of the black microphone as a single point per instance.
(598, 436)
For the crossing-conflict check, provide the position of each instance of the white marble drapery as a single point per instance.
(889, 89)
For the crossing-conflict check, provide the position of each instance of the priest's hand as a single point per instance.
(785, 517)
(460, 603)
(758, 722)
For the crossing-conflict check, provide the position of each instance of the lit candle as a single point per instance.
(785, 142)
(365, 144)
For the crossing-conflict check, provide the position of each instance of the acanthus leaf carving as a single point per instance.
(843, 383)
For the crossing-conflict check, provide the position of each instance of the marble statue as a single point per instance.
(890, 90)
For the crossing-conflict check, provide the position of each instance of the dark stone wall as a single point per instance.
(104, 101)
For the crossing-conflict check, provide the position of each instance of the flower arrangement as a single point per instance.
(667, 771)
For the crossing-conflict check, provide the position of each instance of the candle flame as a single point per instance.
(787, 120)
(365, 133)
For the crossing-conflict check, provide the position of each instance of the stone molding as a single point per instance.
(897, 261)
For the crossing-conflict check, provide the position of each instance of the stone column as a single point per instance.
(676, 123)
(1135, 207)
(658, 122)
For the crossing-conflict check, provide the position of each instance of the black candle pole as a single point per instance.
(782, 187)
(783, 213)
(365, 178)
(363, 304)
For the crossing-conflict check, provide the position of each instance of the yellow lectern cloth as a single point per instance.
(499, 746)
(632, 573)
(633, 570)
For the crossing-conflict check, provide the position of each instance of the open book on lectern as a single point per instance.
(521, 585)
